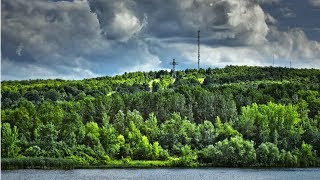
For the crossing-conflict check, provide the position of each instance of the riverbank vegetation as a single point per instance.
(236, 116)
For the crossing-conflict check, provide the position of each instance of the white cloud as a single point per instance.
(19, 49)
(47, 27)
(288, 46)
(125, 24)
(270, 19)
(248, 22)
(315, 3)
(294, 45)
(139, 59)
(12, 70)
(244, 22)
(117, 19)
(220, 56)
(49, 36)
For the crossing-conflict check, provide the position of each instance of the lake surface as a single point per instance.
(173, 174)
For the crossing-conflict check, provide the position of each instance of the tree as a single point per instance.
(52, 95)
(287, 159)
(91, 138)
(134, 138)
(100, 110)
(208, 154)
(224, 130)
(49, 112)
(207, 133)
(120, 122)
(188, 156)
(73, 130)
(33, 96)
(150, 128)
(268, 154)
(234, 152)
(87, 110)
(108, 139)
(9, 141)
(48, 135)
(123, 147)
(135, 117)
(117, 104)
(262, 123)
(144, 149)
(25, 119)
(307, 156)
(176, 132)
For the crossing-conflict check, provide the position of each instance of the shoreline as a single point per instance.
(68, 164)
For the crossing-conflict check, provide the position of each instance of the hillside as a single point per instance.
(232, 116)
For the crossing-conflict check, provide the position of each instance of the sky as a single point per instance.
(76, 39)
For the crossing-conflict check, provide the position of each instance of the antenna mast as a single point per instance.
(174, 63)
(198, 49)
(273, 59)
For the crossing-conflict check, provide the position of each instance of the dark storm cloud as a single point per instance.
(86, 38)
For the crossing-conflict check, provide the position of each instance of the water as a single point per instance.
(171, 174)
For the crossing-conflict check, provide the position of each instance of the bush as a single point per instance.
(234, 152)
(79, 160)
(268, 154)
(188, 157)
(307, 157)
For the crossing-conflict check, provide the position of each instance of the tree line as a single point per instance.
(234, 116)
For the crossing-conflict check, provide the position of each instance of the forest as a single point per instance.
(236, 116)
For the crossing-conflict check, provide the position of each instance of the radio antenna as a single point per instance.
(198, 49)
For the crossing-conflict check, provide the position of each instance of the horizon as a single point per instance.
(167, 70)
(83, 39)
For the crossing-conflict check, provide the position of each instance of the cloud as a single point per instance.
(67, 38)
(249, 23)
(241, 22)
(233, 32)
(19, 49)
(52, 26)
(84, 38)
(49, 34)
(315, 3)
(269, 19)
(117, 19)
(221, 56)
(12, 70)
(287, 12)
(267, 1)
(134, 55)
(294, 45)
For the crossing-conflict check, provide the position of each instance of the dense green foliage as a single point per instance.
(234, 116)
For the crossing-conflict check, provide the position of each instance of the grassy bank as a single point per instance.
(67, 164)
(36, 163)
(51, 163)
(129, 164)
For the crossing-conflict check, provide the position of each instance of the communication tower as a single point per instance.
(174, 63)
